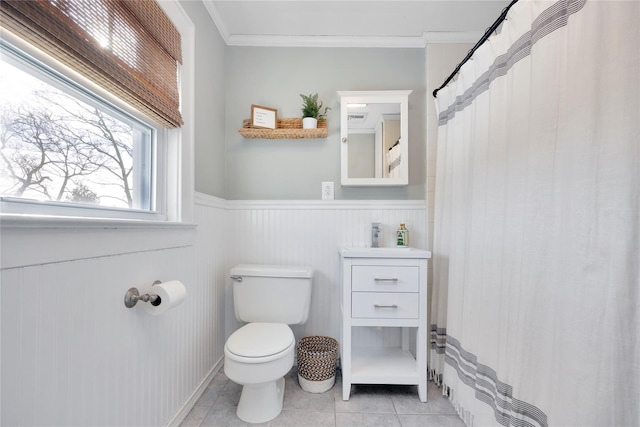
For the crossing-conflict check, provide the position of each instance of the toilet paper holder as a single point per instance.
(132, 297)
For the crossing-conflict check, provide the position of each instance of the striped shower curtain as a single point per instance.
(536, 294)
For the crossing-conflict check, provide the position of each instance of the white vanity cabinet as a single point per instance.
(384, 288)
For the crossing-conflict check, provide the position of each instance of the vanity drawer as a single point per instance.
(382, 305)
(384, 278)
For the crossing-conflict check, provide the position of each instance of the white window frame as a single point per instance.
(180, 141)
(174, 183)
(15, 205)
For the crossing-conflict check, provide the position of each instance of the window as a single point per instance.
(70, 147)
(62, 144)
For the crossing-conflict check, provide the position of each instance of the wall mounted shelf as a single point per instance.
(286, 129)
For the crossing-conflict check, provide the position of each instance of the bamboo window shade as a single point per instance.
(129, 48)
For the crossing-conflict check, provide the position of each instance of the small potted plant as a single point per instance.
(311, 111)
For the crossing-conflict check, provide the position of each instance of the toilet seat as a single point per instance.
(260, 342)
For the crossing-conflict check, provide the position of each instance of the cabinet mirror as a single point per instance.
(374, 137)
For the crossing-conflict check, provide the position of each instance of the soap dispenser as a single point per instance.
(402, 236)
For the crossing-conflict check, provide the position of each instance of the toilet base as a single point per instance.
(260, 403)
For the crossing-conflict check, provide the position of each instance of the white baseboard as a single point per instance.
(179, 417)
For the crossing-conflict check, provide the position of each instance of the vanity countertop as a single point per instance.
(390, 252)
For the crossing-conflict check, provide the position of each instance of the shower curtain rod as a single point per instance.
(484, 38)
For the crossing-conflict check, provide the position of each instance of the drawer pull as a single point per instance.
(385, 306)
(377, 279)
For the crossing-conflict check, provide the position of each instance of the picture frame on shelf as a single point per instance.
(263, 117)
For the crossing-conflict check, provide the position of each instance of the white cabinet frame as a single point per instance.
(385, 365)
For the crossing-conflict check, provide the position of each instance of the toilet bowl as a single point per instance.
(258, 355)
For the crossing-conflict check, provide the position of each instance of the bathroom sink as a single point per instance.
(389, 252)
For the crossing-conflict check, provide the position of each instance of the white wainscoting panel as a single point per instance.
(311, 233)
(73, 354)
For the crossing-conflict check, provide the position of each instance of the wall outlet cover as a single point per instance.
(327, 191)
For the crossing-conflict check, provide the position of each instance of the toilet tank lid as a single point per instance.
(261, 270)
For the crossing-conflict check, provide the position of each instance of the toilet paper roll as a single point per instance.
(170, 294)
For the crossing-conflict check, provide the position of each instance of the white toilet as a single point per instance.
(260, 353)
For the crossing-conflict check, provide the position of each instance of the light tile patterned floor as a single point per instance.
(368, 406)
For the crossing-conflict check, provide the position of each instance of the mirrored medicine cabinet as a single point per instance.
(374, 143)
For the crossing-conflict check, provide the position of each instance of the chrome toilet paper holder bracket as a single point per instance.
(132, 297)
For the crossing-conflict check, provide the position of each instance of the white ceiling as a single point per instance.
(356, 23)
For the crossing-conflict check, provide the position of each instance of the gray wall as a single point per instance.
(209, 102)
(294, 169)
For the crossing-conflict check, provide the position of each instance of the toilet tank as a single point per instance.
(271, 293)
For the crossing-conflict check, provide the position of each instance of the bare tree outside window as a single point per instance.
(55, 147)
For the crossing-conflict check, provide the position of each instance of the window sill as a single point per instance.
(28, 240)
(46, 221)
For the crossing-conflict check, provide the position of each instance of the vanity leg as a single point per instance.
(421, 360)
(346, 363)
(346, 390)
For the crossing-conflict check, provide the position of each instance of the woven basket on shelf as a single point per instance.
(285, 129)
(286, 124)
(317, 362)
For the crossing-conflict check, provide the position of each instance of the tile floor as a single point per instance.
(368, 406)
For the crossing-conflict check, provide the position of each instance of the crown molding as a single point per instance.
(324, 41)
(353, 41)
(217, 20)
(434, 37)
